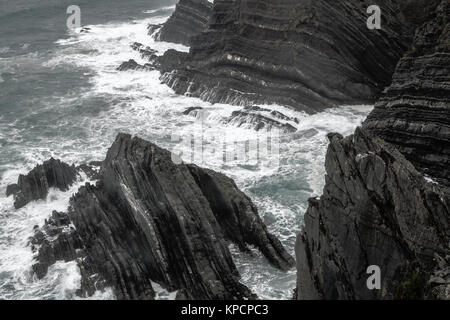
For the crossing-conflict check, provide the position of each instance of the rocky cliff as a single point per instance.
(379, 206)
(149, 219)
(414, 112)
(190, 18)
(306, 54)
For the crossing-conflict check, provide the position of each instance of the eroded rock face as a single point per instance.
(376, 209)
(306, 54)
(190, 18)
(414, 112)
(149, 219)
(379, 206)
(36, 184)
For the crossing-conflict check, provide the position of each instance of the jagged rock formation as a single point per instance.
(414, 112)
(378, 206)
(259, 118)
(189, 19)
(133, 65)
(149, 219)
(376, 209)
(36, 184)
(306, 54)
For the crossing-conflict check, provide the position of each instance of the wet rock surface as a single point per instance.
(149, 219)
(259, 118)
(36, 184)
(133, 65)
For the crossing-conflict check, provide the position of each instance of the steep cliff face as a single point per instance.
(306, 54)
(190, 18)
(376, 209)
(378, 206)
(149, 219)
(414, 112)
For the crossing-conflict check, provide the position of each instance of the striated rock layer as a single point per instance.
(36, 184)
(190, 18)
(414, 112)
(378, 206)
(376, 209)
(306, 54)
(149, 219)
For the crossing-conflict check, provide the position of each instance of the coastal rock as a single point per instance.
(192, 111)
(414, 112)
(146, 52)
(36, 184)
(133, 65)
(376, 209)
(306, 54)
(190, 18)
(386, 200)
(259, 118)
(149, 219)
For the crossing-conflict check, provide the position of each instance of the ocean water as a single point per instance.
(61, 96)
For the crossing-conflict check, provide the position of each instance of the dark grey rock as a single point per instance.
(376, 209)
(306, 54)
(148, 219)
(414, 112)
(35, 185)
(133, 65)
(192, 111)
(190, 18)
(262, 119)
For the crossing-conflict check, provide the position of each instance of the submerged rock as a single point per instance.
(36, 184)
(262, 119)
(148, 219)
(190, 18)
(192, 111)
(133, 65)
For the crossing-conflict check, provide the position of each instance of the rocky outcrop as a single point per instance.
(376, 209)
(414, 112)
(190, 18)
(306, 54)
(133, 65)
(149, 219)
(259, 118)
(36, 184)
(379, 206)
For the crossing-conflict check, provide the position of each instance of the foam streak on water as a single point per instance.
(81, 124)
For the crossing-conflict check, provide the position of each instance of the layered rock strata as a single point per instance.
(380, 207)
(149, 219)
(190, 18)
(306, 54)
